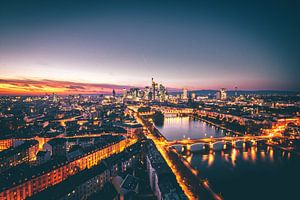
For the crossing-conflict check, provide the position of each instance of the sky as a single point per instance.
(95, 46)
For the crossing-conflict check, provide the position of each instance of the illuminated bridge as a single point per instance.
(223, 139)
(221, 143)
(170, 110)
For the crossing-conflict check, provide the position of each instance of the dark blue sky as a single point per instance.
(206, 45)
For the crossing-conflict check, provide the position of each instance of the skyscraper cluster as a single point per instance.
(156, 92)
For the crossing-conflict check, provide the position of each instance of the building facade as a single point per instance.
(24, 153)
(53, 175)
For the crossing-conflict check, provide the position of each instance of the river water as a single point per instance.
(257, 172)
(176, 128)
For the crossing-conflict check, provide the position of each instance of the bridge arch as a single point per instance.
(200, 146)
(239, 144)
(178, 147)
(219, 145)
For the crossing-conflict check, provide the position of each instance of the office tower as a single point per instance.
(153, 90)
(134, 92)
(156, 92)
(124, 93)
(184, 93)
(221, 94)
(162, 93)
(141, 93)
(193, 96)
(147, 93)
(54, 97)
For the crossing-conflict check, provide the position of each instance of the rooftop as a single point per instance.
(68, 185)
(130, 183)
(15, 150)
(23, 173)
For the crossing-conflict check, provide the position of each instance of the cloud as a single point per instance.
(39, 87)
(75, 87)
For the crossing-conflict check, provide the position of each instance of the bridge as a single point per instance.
(223, 139)
(163, 146)
(217, 144)
(177, 111)
(173, 110)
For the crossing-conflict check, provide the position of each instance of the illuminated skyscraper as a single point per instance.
(184, 93)
(147, 93)
(153, 90)
(162, 93)
(193, 96)
(124, 93)
(54, 97)
(221, 95)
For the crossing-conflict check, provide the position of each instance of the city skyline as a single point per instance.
(25, 87)
(184, 45)
(149, 99)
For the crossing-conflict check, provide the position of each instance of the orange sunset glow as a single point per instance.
(40, 87)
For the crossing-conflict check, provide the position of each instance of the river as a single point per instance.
(257, 172)
(176, 128)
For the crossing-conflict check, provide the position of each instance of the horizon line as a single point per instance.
(38, 87)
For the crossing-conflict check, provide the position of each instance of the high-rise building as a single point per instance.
(221, 95)
(124, 93)
(147, 93)
(156, 92)
(54, 97)
(184, 93)
(135, 92)
(114, 93)
(153, 90)
(193, 96)
(162, 93)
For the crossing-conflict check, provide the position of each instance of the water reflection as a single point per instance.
(210, 159)
(271, 153)
(234, 155)
(247, 172)
(261, 169)
(175, 128)
(253, 151)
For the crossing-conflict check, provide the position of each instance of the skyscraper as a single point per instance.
(147, 93)
(184, 94)
(193, 96)
(124, 93)
(153, 90)
(221, 95)
(162, 93)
